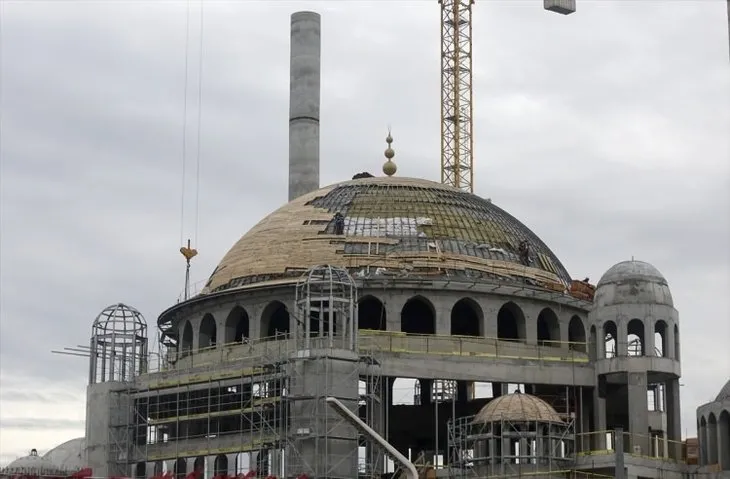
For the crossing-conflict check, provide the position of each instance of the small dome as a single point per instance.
(632, 282)
(724, 394)
(32, 465)
(517, 407)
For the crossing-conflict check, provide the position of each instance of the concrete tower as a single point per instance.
(304, 89)
(635, 329)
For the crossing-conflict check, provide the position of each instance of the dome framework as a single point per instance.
(513, 434)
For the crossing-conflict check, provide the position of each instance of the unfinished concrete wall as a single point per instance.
(108, 411)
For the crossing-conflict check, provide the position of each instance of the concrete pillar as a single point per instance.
(674, 418)
(598, 441)
(304, 92)
(649, 343)
(638, 412)
(315, 427)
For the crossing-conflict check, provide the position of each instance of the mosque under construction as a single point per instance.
(285, 364)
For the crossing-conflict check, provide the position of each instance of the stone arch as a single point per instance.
(610, 339)
(577, 334)
(660, 338)
(208, 332)
(548, 328)
(220, 465)
(371, 314)
(274, 320)
(186, 343)
(676, 342)
(712, 448)
(418, 316)
(723, 429)
(635, 340)
(511, 323)
(237, 327)
(467, 318)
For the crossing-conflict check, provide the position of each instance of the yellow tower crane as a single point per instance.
(457, 127)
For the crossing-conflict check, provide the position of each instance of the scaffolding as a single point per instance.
(508, 448)
(265, 411)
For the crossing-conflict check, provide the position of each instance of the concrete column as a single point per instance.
(304, 92)
(598, 441)
(674, 418)
(638, 412)
(443, 319)
(649, 338)
(393, 307)
(622, 342)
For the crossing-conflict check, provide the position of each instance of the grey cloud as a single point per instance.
(605, 132)
(46, 423)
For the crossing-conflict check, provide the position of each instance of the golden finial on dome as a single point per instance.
(389, 167)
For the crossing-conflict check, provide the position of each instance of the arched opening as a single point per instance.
(467, 318)
(187, 339)
(702, 435)
(220, 465)
(676, 342)
(610, 333)
(511, 323)
(660, 338)
(548, 328)
(635, 338)
(418, 316)
(371, 314)
(181, 468)
(237, 327)
(577, 334)
(208, 333)
(140, 470)
(723, 425)
(275, 320)
(199, 465)
(712, 439)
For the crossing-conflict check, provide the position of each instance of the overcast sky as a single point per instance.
(606, 132)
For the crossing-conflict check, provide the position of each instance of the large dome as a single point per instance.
(399, 226)
(631, 282)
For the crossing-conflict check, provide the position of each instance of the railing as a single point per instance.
(394, 342)
(645, 446)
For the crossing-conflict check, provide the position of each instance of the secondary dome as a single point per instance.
(724, 392)
(407, 226)
(517, 407)
(632, 282)
(32, 465)
(69, 455)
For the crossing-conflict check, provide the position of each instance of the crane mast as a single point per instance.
(457, 140)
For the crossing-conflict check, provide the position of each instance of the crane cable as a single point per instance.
(188, 251)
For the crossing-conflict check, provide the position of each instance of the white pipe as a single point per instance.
(350, 417)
